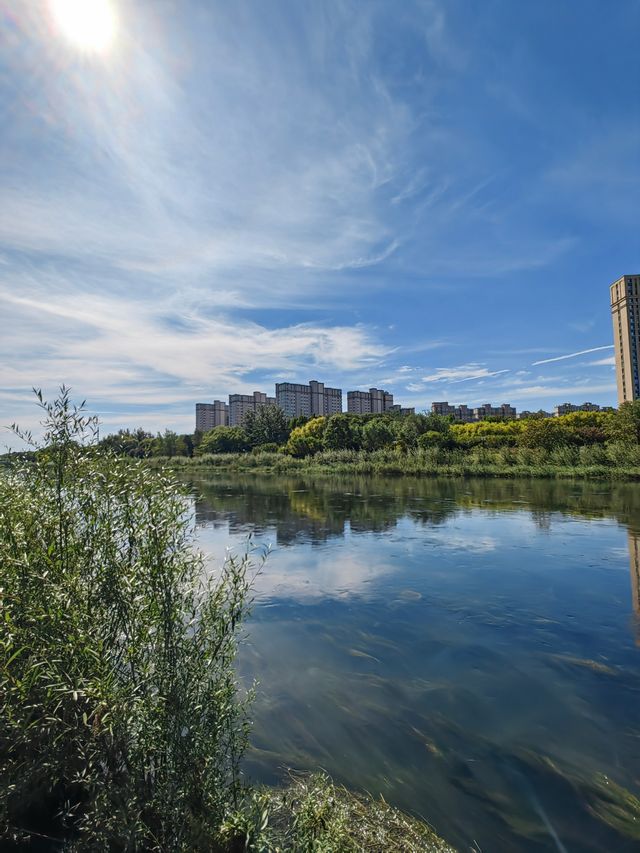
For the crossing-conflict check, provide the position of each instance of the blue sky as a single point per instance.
(430, 197)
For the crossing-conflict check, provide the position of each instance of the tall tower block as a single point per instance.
(625, 312)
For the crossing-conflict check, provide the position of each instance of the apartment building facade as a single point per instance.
(210, 415)
(568, 408)
(241, 404)
(461, 413)
(504, 410)
(625, 313)
(310, 400)
(540, 413)
(373, 401)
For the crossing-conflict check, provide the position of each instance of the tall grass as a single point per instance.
(612, 461)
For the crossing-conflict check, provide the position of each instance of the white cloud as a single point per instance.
(602, 362)
(125, 351)
(149, 182)
(462, 373)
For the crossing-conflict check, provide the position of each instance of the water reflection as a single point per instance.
(461, 647)
(634, 559)
(314, 510)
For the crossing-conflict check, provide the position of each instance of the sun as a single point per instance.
(90, 25)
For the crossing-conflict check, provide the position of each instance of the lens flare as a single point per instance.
(89, 25)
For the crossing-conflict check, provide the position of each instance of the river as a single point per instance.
(469, 649)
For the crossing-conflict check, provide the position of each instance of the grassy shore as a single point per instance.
(312, 813)
(593, 463)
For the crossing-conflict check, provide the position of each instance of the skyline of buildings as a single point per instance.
(295, 399)
(317, 399)
(625, 314)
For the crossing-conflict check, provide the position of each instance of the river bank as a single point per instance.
(587, 463)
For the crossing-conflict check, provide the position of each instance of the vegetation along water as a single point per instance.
(466, 650)
(122, 722)
(602, 445)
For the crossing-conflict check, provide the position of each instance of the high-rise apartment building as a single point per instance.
(373, 401)
(625, 312)
(210, 415)
(241, 404)
(310, 400)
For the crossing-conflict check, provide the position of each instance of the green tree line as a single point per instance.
(269, 430)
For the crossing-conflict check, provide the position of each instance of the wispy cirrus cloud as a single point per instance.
(107, 332)
(462, 373)
(240, 192)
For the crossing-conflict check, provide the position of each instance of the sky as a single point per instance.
(207, 197)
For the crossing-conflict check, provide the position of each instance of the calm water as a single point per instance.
(468, 649)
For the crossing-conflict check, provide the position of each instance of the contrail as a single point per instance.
(571, 355)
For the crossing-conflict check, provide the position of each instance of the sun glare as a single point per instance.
(90, 25)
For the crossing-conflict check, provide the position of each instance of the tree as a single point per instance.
(434, 438)
(547, 434)
(137, 444)
(299, 420)
(414, 426)
(267, 425)
(625, 426)
(308, 439)
(378, 433)
(224, 439)
(343, 432)
(585, 428)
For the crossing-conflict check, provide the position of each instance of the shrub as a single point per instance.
(593, 455)
(121, 723)
(432, 438)
(624, 454)
(315, 814)
(269, 447)
(566, 456)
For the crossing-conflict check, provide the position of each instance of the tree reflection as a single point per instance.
(314, 509)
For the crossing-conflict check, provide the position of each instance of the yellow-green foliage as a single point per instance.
(307, 439)
(505, 432)
(579, 428)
